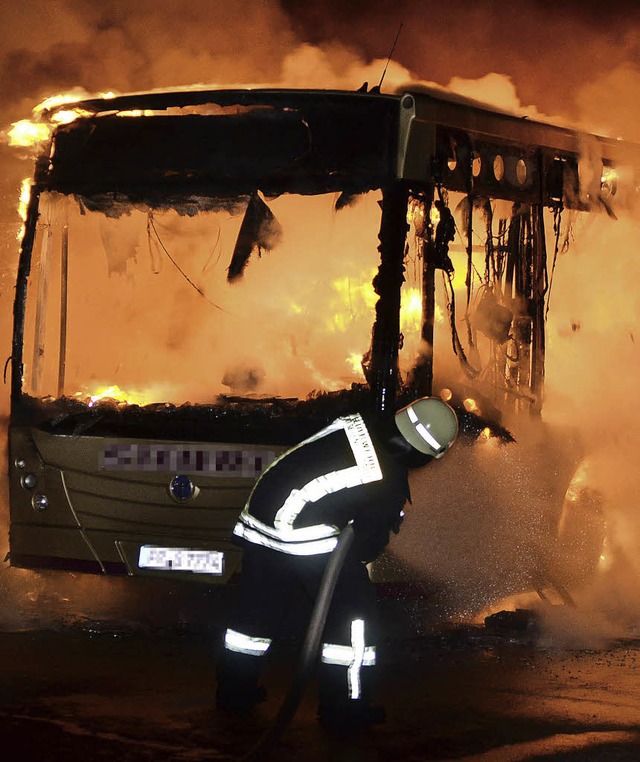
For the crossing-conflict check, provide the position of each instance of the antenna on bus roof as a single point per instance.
(376, 89)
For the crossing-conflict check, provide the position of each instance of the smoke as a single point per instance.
(130, 46)
(608, 104)
(570, 60)
(483, 526)
(550, 50)
(593, 366)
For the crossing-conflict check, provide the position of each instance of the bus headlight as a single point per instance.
(29, 481)
(40, 502)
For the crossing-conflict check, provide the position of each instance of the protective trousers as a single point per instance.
(271, 584)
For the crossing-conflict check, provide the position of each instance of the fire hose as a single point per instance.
(310, 647)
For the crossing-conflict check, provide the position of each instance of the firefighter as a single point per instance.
(353, 471)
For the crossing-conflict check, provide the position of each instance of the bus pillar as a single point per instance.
(421, 380)
(383, 367)
(539, 288)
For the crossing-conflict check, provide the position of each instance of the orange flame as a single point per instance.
(34, 132)
(115, 393)
(23, 205)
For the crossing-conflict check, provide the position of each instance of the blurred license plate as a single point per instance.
(181, 559)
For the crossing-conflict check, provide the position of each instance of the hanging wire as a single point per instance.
(470, 267)
(154, 252)
(152, 227)
(500, 256)
(457, 346)
(413, 252)
(557, 223)
(461, 239)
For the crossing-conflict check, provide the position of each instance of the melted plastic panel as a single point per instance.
(322, 145)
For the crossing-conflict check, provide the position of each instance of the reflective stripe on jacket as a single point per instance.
(304, 499)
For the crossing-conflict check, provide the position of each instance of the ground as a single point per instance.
(121, 690)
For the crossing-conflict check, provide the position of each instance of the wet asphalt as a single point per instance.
(79, 688)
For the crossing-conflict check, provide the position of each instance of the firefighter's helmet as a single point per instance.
(429, 425)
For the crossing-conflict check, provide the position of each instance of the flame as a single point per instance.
(26, 133)
(25, 197)
(130, 397)
(53, 101)
(23, 205)
(578, 482)
(355, 362)
(411, 310)
(609, 181)
(353, 298)
(415, 213)
(67, 115)
(135, 113)
(34, 132)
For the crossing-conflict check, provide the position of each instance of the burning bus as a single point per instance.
(208, 276)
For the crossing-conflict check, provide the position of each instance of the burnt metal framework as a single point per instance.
(510, 311)
(193, 149)
(454, 144)
(198, 150)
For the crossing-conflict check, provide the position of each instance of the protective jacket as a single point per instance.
(306, 497)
